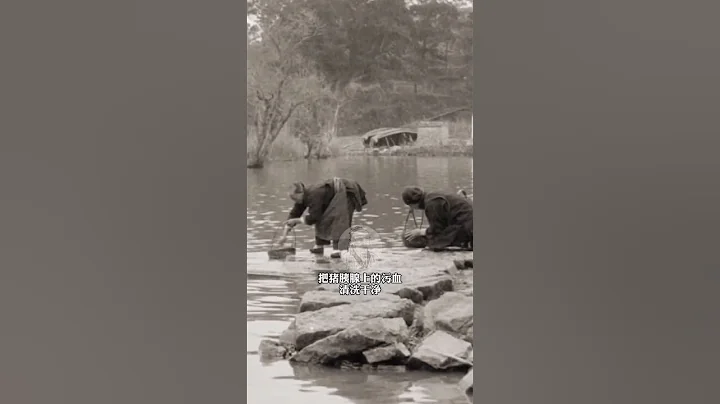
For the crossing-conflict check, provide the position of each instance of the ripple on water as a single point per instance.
(275, 299)
(277, 381)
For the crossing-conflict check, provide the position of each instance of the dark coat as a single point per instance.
(327, 211)
(450, 219)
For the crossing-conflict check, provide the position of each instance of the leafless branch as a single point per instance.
(290, 112)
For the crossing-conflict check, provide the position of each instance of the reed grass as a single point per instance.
(285, 147)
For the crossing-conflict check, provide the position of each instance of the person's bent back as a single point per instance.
(450, 218)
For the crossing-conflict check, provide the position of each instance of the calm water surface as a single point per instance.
(274, 288)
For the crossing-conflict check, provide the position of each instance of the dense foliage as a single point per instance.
(324, 68)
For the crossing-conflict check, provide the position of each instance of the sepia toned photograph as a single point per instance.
(359, 201)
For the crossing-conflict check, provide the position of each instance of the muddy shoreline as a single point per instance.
(423, 323)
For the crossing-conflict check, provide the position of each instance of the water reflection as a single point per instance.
(370, 387)
(274, 287)
(435, 173)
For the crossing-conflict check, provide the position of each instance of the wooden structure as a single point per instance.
(388, 137)
(432, 133)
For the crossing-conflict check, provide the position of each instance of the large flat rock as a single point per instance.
(312, 326)
(355, 339)
(440, 351)
(453, 313)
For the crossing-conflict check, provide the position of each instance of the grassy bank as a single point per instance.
(446, 150)
(284, 148)
(288, 148)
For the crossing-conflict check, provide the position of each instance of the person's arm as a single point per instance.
(297, 211)
(363, 195)
(316, 198)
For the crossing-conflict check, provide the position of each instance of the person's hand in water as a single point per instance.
(414, 234)
(294, 222)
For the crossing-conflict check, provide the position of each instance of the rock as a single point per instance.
(469, 335)
(410, 293)
(452, 312)
(287, 338)
(451, 270)
(419, 318)
(430, 287)
(387, 353)
(466, 384)
(457, 321)
(434, 287)
(463, 264)
(439, 350)
(354, 340)
(463, 282)
(470, 357)
(447, 301)
(272, 350)
(321, 299)
(426, 288)
(312, 326)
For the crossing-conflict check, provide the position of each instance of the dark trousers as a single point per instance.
(336, 243)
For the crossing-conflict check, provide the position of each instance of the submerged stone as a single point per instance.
(270, 350)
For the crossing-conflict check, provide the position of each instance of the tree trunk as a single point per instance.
(268, 125)
(255, 164)
(334, 122)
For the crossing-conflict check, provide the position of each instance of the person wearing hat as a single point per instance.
(450, 218)
(330, 206)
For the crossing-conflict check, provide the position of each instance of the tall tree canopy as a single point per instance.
(388, 59)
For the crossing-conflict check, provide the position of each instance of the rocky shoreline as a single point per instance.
(425, 322)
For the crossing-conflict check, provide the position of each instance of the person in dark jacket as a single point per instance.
(330, 206)
(450, 218)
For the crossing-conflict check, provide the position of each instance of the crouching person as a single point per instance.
(450, 218)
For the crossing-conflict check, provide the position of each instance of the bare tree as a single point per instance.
(277, 74)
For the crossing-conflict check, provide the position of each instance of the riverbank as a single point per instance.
(286, 148)
(447, 150)
(420, 319)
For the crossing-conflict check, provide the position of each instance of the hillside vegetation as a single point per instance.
(320, 69)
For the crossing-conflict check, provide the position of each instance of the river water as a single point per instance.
(274, 288)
